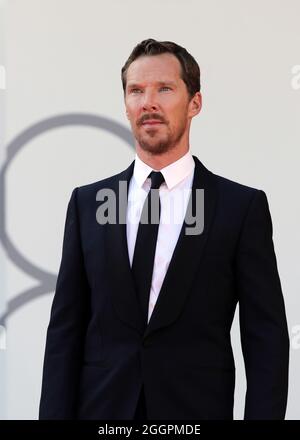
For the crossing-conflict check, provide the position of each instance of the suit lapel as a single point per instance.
(124, 296)
(186, 257)
(182, 268)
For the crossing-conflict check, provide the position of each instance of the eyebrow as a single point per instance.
(161, 83)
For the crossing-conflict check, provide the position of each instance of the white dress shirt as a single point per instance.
(174, 196)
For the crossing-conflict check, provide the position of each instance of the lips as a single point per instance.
(152, 122)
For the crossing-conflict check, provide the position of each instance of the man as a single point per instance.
(141, 317)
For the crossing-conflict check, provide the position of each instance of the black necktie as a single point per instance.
(144, 251)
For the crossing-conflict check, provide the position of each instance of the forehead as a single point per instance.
(162, 67)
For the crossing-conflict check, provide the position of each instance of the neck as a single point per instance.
(159, 161)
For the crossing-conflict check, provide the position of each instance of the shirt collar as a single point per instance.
(173, 173)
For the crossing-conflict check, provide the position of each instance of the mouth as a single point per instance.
(151, 122)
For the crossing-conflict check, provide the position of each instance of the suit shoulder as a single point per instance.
(240, 199)
(235, 193)
(234, 187)
(107, 181)
(87, 193)
(91, 188)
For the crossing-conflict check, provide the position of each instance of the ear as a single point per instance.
(196, 104)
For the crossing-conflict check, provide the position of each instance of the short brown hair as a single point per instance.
(190, 71)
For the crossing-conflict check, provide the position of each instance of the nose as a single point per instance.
(149, 101)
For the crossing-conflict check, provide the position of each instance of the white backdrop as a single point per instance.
(63, 57)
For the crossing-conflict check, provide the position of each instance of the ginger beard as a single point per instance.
(158, 138)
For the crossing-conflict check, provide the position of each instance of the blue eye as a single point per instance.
(139, 90)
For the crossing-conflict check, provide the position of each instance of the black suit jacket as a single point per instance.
(98, 352)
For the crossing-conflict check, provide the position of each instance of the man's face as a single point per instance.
(157, 102)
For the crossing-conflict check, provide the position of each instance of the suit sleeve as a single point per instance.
(263, 324)
(67, 326)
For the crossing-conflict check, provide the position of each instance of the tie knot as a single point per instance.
(156, 179)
